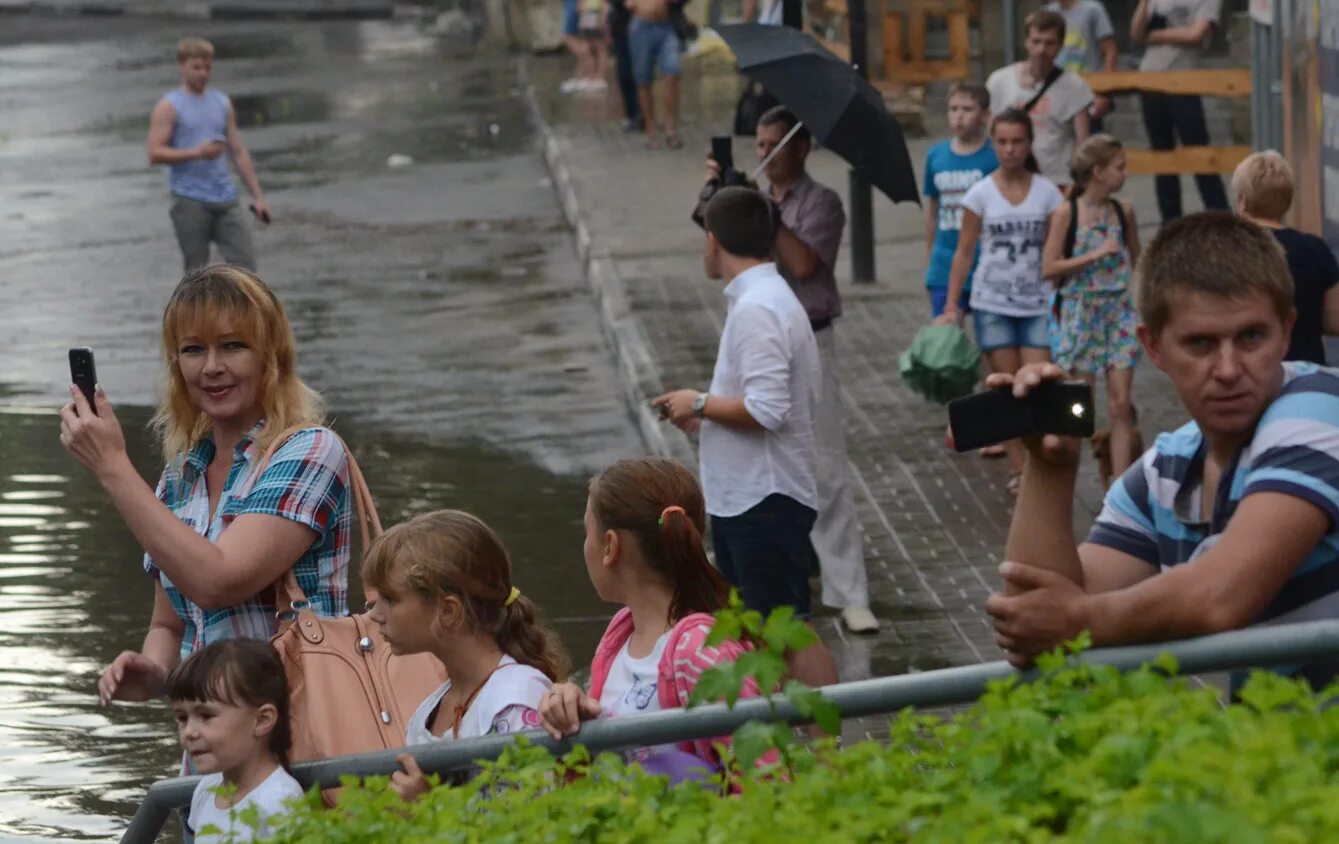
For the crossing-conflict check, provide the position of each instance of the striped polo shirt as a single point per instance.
(1154, 511)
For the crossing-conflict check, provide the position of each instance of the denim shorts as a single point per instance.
(571, 17)
(766, 554)
(653, 45)
(997, 331)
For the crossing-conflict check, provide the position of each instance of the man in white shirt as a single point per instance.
(1055, 99)
(756, 423)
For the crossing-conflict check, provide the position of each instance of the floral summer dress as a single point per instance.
(1096, 327)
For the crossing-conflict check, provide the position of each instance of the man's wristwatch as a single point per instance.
(700, 405)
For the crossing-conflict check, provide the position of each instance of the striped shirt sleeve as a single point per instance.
(304, 482)
(1126, 522)
(1295, 450)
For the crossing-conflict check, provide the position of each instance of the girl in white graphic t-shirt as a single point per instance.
(443, 586)
(1007, 213)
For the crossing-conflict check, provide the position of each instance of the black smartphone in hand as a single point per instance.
(263, 217)
(723, 151)
(83, 374)
(1064, 408)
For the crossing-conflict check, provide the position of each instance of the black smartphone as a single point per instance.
(995, 416)
(264, 218)
(83, 374)
(723, 151)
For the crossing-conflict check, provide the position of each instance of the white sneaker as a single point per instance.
(596, 85)
(860, 620)
(572, 85)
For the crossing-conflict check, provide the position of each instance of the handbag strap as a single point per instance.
(287, 592)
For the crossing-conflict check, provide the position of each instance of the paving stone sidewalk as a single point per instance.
(934, 522)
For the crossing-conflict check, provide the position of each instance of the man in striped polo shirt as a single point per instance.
(1248, 491)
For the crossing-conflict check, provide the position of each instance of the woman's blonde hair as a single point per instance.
(449, 552)
(1097, 151)
(223, 298)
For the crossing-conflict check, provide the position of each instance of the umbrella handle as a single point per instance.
(768, 160)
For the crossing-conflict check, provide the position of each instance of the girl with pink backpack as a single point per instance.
(644, 550)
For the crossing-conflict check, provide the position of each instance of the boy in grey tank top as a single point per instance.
(190, 130)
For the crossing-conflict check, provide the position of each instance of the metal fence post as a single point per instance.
(1281, 645)
(862, 198)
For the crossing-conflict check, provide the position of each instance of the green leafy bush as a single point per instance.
(1085, 754)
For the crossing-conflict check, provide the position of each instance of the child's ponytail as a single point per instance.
(660, 504)
(698, 586)
(524, 638)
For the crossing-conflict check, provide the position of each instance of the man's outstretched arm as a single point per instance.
(1267, 539)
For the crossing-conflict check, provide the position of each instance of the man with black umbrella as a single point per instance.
(807, 241)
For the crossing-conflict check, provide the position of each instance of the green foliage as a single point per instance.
(1085, 754)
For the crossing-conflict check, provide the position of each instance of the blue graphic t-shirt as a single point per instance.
(948, 175)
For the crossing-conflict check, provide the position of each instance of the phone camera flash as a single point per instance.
(1077, 410)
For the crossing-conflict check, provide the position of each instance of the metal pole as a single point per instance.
(1010, 32)
(862, 198)
(1281, 645)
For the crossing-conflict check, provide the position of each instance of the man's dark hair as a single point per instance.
(741, 221)
(1045, 20)
(780, 115)
(1216, 254)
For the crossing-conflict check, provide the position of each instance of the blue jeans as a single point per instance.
(997, 331)
(627, 85)
(653, 44)
(766, 554)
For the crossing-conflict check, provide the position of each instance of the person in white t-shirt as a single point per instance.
(1007, 213)
(443, 586)
(230, 700)
(1056, 99)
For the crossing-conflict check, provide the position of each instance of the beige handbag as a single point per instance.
(348, 693)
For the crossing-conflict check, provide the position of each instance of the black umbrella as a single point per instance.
(842, 110)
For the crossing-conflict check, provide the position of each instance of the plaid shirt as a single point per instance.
(307, 482)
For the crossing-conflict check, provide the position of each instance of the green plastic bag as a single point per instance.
(942, 364)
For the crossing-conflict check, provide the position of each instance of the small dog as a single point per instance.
(1102, 451)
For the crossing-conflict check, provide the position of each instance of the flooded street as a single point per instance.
(439, 308)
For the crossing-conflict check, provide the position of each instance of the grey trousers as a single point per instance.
(224, 223)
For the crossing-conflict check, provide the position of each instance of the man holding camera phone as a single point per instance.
(1230, 521)
(807, 240)
(1176, 32)
(190, 130)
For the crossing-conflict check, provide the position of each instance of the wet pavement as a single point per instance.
(440, 308)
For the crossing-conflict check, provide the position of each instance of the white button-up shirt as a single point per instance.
(767, 357)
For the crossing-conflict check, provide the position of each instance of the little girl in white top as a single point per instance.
(442, 582)
(231, 704)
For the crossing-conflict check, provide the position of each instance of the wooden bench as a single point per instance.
(1234, 82)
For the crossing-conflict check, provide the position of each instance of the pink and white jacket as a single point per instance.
(686, 656)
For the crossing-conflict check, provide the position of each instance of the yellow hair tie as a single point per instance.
(511, 599)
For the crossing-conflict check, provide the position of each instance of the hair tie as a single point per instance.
(673, 508)
(511, 599)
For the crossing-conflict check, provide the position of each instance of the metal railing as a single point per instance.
(1281, 645)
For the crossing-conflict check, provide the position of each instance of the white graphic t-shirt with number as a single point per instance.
(1008, 277)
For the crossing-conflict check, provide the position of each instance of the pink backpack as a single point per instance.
(686, 657)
